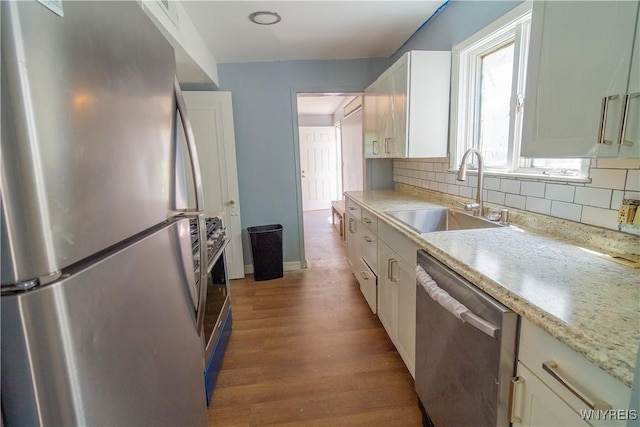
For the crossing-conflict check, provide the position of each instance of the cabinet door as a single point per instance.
(387, 290)
(371, 134)
(630, 138)
(353, 238)
(406, 289)
(400, 87)
(385, 114)
(536, 405)
(580, 54)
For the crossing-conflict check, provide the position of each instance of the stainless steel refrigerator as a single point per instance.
(100, 314)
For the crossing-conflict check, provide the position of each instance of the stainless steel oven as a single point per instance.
(216, 328)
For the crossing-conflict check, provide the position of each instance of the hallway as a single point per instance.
(306, 350)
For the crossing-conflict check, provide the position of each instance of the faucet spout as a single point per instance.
(478, 209)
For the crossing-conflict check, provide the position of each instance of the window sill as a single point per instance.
(533, 176)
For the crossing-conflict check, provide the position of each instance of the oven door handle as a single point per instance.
(218, 254)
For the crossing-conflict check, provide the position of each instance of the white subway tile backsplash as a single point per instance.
(599, 197)
(539, 205)
(510, 186)
(515, 201)
(496, 197)
(633, 180)
(600, 217)
(562, 192)
(450, 178)
(616, 199)
(608, 178)
(491, 183)
(531, 188)
(565, 210)
(465, 191)
(595, 203)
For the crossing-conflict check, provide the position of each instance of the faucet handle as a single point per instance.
(469, 207)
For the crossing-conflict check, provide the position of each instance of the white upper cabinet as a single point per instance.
(578, 80)
(407, 107)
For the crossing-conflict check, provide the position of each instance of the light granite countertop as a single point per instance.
(585, 301)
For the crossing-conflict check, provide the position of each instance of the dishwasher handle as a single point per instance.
(480, 324)
(454, 306)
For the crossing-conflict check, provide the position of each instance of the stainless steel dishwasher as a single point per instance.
(465, 350)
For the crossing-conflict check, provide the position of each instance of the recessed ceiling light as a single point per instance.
(265, 18)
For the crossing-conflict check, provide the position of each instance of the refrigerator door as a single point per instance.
(88, 122)
(114, 343)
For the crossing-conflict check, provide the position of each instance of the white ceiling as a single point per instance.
(319, 105)
(310, 29)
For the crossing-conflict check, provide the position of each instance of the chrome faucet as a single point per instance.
(478, 206)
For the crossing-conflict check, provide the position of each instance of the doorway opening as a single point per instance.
(330, 141)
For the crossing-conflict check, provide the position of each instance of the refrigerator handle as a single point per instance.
(199, 209)
(191, 146)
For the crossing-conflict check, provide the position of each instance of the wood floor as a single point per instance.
(306, 350)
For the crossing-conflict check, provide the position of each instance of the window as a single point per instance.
(487, 96)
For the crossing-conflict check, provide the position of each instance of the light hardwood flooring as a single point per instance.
(306, 350)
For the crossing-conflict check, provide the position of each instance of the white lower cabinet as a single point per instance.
(397, 291)
(406, 340)
(352, 237)
(362, 252)
(556, 386)
(387, 291)
(537, 405)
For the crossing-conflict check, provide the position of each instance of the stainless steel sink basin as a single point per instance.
(440, 219)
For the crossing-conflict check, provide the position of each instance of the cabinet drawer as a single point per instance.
(402, 245)
(369, 220)
(568, 374)
(369, 245)
(368, 283)
(353, 208)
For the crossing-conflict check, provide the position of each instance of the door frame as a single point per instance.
(296, 153)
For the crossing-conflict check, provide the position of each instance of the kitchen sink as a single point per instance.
(440, 219)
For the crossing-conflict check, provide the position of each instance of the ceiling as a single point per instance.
(319, 105)
(310, 29)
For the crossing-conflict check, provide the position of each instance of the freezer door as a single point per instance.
(115, 343)
(88, 122)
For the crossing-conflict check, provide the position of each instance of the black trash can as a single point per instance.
(266, 249)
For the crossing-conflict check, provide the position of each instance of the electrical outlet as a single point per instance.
(627, 211)
(626, 214)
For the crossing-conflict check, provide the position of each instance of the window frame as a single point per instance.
(513, 27)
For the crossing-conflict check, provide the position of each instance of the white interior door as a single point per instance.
(318, 167)
(211, 117)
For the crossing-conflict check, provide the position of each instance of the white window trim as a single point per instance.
(511, 27)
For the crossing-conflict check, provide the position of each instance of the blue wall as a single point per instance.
(264, 96)
(266, 128)
(455, 22)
